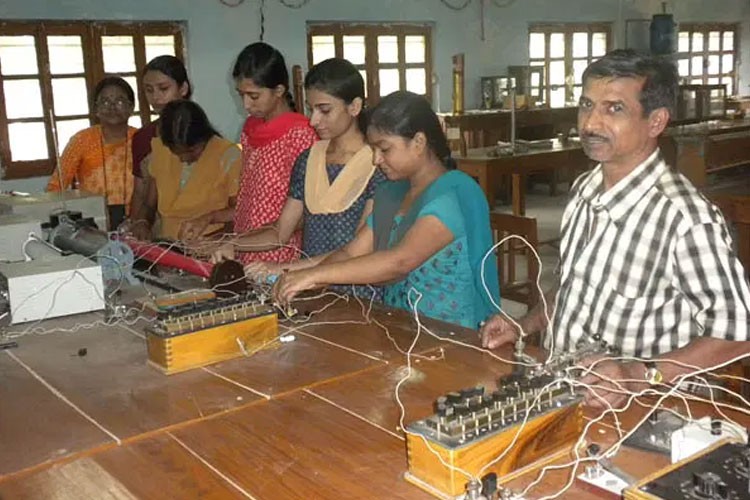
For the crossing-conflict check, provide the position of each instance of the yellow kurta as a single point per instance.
(213, 180)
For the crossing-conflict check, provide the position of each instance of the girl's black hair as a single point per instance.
(184, 123)
(404, 114)
(265, 66)
(114, 81)
(339, 78)
(173, 68)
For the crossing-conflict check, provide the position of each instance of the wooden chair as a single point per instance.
(512, 253)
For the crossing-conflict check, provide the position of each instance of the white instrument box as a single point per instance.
(48, 288)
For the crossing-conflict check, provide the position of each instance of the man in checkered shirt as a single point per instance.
(646, 263)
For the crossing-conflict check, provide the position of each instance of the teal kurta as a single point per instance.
(450, 281)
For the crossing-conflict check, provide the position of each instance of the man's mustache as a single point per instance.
(589, 135)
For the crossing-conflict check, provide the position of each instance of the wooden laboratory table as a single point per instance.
(488, 167)
(313, 418)
(703, 148)
(482, 127)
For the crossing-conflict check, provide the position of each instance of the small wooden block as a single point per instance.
(174, 354)
(540, 440)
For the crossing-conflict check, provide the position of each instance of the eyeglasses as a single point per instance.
(118, 103)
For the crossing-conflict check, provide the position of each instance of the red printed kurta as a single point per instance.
(268, 153)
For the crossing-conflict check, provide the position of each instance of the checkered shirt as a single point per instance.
(647, 264)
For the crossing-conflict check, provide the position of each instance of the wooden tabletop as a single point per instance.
(523, 149)
(489, 165)
(708, 128)
(313, 418)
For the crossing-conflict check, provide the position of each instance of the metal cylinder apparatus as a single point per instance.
(81, 240)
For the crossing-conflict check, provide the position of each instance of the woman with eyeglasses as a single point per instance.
(98, 159)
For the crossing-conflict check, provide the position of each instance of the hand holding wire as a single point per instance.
(497, 332)
(609, 382)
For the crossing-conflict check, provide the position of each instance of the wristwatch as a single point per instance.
(653, 375)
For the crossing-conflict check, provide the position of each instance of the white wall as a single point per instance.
(216, 34)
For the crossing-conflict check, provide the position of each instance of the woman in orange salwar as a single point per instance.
(98, 159)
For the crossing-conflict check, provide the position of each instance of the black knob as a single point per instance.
(744, 463)
(706, 484)
(475, 405)
(498, 396)
(654, 417)
(593, 450)
(453, 397)
(716, 427)
(527, 383)
(441, 410)
(489, 484)
(722, 490)
(467, 393)
(512, 391)
(544, 380)
(461, 411)
(511, 379)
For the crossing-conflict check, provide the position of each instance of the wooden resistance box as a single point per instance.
(471, 429)
(189, 335)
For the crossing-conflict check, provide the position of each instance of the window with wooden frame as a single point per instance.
(389, 56)
(564, 51)
(707, 54)
(48, 70)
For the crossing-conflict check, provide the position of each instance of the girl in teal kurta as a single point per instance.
(429, 230)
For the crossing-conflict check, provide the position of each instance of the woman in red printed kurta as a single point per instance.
(272, 138)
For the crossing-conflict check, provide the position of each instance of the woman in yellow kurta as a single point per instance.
(97, 159)
(195, 173)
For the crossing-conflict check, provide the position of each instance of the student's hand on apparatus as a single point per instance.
(139, 229)
(611, 382)
(497, 332)
(291, 284)
(193, 228)
(224, 251)
(261, 271)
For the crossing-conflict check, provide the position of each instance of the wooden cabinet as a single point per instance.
(479, 129)
(703, 148)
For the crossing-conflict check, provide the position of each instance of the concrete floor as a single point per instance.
(548, 212)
